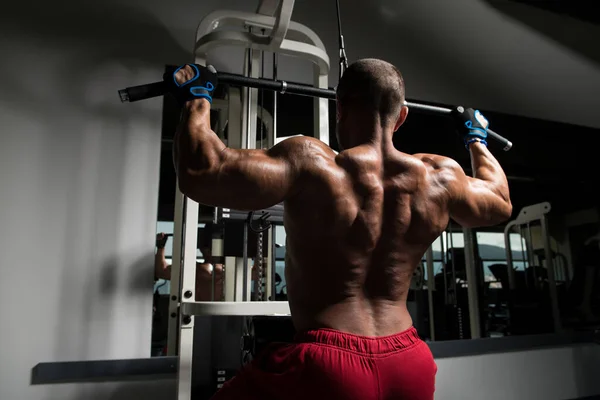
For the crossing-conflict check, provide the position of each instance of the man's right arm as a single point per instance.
(481, 200)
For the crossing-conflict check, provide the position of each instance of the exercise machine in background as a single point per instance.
(533, 292)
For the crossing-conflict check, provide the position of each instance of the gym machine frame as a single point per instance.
(276, 18)
(527, 215)
(472, 291)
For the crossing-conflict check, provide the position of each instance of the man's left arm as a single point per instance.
(210, 173)
(162, 269)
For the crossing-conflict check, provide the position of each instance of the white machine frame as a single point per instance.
(472, 292)
(536, 213)
(284, 37)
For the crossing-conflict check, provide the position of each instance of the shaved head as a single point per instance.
(374, 86)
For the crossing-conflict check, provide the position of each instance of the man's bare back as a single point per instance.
(352, 252)
(357, 223)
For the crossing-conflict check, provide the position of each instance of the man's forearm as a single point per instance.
(162, 268)
(196, 147)
(488, 169)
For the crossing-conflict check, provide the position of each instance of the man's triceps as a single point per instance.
(243, 180)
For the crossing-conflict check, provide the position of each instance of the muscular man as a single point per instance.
(204, 271)
(360, 221)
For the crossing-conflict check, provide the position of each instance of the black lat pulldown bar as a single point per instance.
(142, 92)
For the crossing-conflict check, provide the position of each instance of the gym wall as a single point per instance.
(565, 373)
(78, 197)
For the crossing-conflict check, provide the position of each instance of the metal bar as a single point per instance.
(536, 281)
(430, 289)
(239, 277)
(275, 65)
(273, 235)
(276, 85)
(231, 280)
(142, 92)
(529, 245)
(186, 350)
(285, 87)
(248, 100)
(273, 265)
(300, 89)
(267, 267)
(320, 107)
(509, 257)
(245, 264)
(523, 255)
(251, 129)
(472, 291)
(187, 294)
(234, 118)
(445, 262)
(551, 276)
(236, 308)
(452, 251)
(236, 216)
(175, 287)
(212, 280)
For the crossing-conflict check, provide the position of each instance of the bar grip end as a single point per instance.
(124, 95)
(502, 140)
(142, 92)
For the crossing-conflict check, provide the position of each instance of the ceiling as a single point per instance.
(505, 56)
(583, 10)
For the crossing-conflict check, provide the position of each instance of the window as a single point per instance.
(161, 285)
(492, 250)
(280, 235)
(167, 227)
(442, 246)
(280, 270)
(280, 238)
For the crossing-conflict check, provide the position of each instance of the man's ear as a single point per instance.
(401, 118)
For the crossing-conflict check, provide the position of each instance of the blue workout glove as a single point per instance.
(471, 125)
(202, 85)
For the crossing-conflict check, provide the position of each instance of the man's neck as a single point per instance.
(359, 132)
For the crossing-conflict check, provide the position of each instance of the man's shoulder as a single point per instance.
(442, 171)
(436, 162)
(306, 145)
(307, 154)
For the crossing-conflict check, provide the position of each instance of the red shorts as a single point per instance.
(328, 364)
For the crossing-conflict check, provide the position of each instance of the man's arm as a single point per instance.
(162, 269)
(212, 174)
(481, 200)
